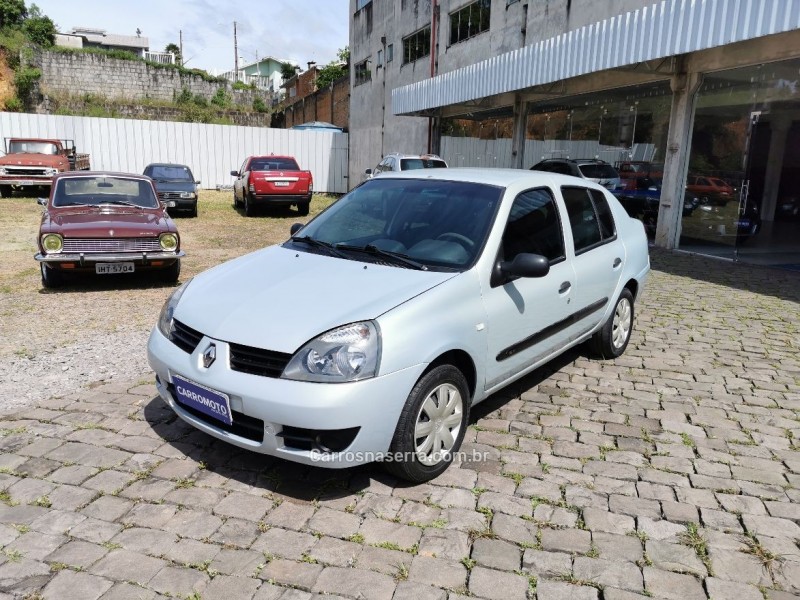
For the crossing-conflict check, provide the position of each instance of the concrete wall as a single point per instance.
(66, 74)
(374, 130)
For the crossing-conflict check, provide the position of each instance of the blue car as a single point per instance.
(640, 198)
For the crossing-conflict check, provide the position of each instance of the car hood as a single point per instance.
(174, 186)
(32, 160)
(278, 299)
(125, 222)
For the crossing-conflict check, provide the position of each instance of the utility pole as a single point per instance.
(180, 38)
(235, 55)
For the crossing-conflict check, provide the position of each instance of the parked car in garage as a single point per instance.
(175, 185)
(272, 181)
(374, 329)
(641, 196)
(711, 190)
(592, 169)
(396, 162)
(723, 223)
(105, 223)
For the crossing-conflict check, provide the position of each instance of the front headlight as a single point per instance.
(52, 242)
(348, 353)
(3, 171)
(51, 171)
(188, 195)
(168, 241)
(165, 324)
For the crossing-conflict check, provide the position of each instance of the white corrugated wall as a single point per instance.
(211, 151)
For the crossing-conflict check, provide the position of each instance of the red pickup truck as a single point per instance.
(32, 163)
(272, 181)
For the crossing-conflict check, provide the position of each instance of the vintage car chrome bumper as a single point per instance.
(44, 181)
(142, 258)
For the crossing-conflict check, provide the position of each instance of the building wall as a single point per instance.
(66, 74)
(331, 105)
(374, 130)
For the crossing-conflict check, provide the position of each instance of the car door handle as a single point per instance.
(564, 287)
(617, 262)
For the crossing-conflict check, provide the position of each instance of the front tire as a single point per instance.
(193, 212)
(431, 426)
(171, 273)
(51, 278)
(5, 191)
(612, 339)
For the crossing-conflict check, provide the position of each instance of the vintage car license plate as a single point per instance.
(743, 223)
(281, 183)
(112, 268)
(209, 402)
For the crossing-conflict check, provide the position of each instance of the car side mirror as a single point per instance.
(295, 228)
(526, 265)
(197, 182)
(41, 201)
(368, 171)
(235, 173)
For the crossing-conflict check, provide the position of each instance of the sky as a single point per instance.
(299, 30)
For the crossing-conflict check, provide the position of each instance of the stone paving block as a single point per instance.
(148, 490)
(148, 515)
(57, 522)
(190, 552)
(660, 530)
(464, 520)
(68, 584)
(514, 529)
(740, 567)
(232, 588)
(672, 586)
(242, 563)
(680, 513)
(27, 491)
(771, 526)
(77, 554)
(720, 589)
(107, 508)
(444, 543)
(127, 591)
(537, 488)
(180, 582)
(35, 545)
(558, 590)
(783, 510)
(376, 531)
(124, 565)
(288, 572)
(635, 507)
(787, 576)
(618, 546)
(675, 557)
(418, 514)
(355, 582)
(290, 515)
(497, 585)
(236, 533)
(511, 505)
(566, 540)
(496, 554)
(440, 572)
(383, 560)
(719, 519)
(610, 522)
(612, 573)
(243, 506)
(453, 497)
(193, 524)
(336, 552)
(546, 564)
(95, 530)
(419, 591)
(284, 543)
(144, 540)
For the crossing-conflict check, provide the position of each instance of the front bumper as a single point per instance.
(372, 405)
(44, 182)
(145, 258)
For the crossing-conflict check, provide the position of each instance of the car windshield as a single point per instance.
(170, 173)
(598, 171)
(273, 164)
(93, 191)
(32, 147)
(409, 164)
(439, 224)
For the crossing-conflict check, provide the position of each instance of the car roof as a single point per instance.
(272, 156)
(75, 174)
(426, 156)
(496, 177)
(166, 165)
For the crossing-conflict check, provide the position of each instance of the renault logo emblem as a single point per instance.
(209, 356)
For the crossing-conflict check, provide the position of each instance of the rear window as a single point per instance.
(409, 164)
(598, 171)
(274, 164)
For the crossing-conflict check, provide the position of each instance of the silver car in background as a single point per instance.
(396, 162)
(372, 331)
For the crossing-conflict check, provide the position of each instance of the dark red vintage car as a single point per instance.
(272, 181)
(106, 223)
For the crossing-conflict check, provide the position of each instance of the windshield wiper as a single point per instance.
(396, 257)
(121, 202)
(72, 204)
(318, 244)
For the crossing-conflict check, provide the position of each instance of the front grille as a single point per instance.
(169, 195)
(255, 361)
(249, 428)
(185, 337)
(27, 171)
(99, 245)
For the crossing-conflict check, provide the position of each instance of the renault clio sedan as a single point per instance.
(372, 331)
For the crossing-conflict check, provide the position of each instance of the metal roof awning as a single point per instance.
(667, 28)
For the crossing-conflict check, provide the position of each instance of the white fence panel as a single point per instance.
(211, 151)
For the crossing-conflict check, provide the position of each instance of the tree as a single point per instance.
(12, 12)
(176, 50)
(334, 69)
(39, 28)
(288, 70)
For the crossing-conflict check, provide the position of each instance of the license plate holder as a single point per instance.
(199, 397)
(281, 183)
(114, 268)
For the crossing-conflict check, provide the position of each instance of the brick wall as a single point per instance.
(331, 104)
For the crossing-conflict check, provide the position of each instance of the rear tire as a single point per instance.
(249, 209)
(431, 426)
(51, 278)
(612, 339)
(303, 208)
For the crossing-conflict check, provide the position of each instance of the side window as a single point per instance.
(603, 210)
(534, 227)
(590, 217)
(562, 169)
(244, 166)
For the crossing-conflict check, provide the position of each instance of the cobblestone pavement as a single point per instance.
(672, 472)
